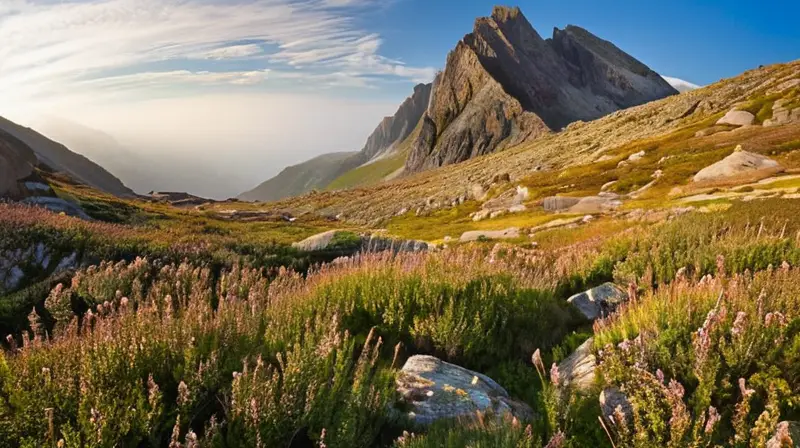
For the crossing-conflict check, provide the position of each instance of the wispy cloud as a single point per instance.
(95, 48)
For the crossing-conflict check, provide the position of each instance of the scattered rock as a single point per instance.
(596, 204)
(435, 390)
(600, 301)
(787, 434)
(577, 371)
(481, 215)
(351, 243)
(67, 263)
(556, 223)
(476, 235)
(737, 118)
(782, 115)
(612, 398)
(636, 156)
(608, 185)
(738, 163)
(14, 278)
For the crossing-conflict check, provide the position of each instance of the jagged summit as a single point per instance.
(504, 84)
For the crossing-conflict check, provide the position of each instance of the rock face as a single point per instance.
(786, 435)
(319, 172)
(350, 243)
(577, 371)
(57, 157)
(16, 163)
(737, 118)
(739, 163)
(503, 84)
(436, 390)
(476, 235)
(598, 302)
(781, 114)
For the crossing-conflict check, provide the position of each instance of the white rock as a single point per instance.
(475, 235)
(636, 156)
(737, 118)
(738, 163)
(578, 370)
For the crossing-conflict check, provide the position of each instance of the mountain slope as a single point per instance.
(381, 147)
(58, 158)
(302, 178)
(17, 162)
(503, 84)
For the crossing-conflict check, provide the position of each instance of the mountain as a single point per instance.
(57, 157)
(305, 177)
(680, 85)
(504, 84)
(17, 163)
(348, 169)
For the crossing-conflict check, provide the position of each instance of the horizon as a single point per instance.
(227, 94)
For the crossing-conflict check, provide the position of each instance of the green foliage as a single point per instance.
(486, 433)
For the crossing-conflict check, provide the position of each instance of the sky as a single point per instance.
(235, 90)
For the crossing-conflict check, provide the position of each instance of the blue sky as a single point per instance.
(269, 83)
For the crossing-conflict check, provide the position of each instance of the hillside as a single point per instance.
(59, 158)
(314, 174)
(634, 279)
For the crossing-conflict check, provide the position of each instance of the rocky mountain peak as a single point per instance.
(503, 84)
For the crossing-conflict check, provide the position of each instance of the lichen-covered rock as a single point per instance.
(434, 390)
(739, 163)
(578, 370)
(600, 301)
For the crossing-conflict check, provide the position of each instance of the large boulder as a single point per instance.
(434, 390)
(600, 301)
(476, 235)
(787, 435)
(737, 118)
(348, 242)
(577, 371)
(559, 203)
(739, 163)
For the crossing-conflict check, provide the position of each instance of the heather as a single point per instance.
(216, 347)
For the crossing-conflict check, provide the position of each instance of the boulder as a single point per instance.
(577, 371)
(352, 243)
(596, 204)
(600, 301)
(787, 434)
(737, 118)
(434, 390)
(637, 156)
(612, 398)
(739, 163)
(559, 203)
(475, 235)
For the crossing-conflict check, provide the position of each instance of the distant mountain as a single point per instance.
(144, 168)
(313, 174)
(347, 169)
(503, 85)
(680, 85)
(59, 158)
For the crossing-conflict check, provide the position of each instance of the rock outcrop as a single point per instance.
(393, 130)
(349, 243)
(600, 301)
(434, 390)
(739, 163)
(17, 162)
(503, 84)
